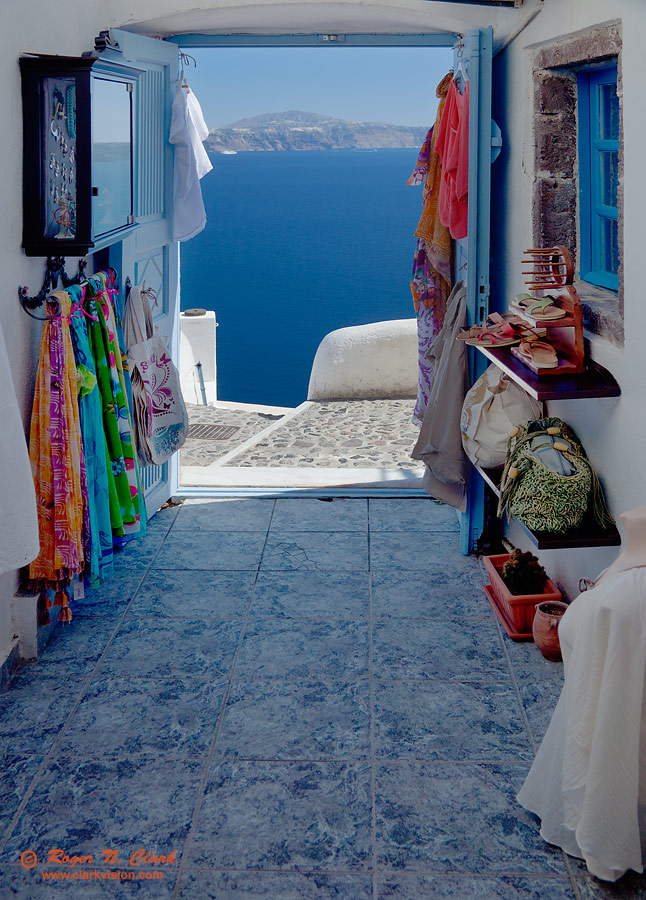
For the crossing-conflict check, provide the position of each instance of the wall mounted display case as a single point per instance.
(77, 154)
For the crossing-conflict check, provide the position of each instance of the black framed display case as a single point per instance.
(78, 153)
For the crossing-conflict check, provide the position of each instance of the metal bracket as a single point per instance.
(55, 271)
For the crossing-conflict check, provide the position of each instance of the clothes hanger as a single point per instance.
(460, 72)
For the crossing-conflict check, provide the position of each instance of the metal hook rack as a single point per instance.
(186, 59)
(54, 272)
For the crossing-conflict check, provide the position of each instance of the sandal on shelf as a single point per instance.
(499, 330)
(540, 354)
(539, 307)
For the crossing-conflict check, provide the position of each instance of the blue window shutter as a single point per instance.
(598, 212)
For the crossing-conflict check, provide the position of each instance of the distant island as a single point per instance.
(296, 130)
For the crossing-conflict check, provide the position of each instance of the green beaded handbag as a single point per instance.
(548, 483)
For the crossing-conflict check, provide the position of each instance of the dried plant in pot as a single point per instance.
(517, 583)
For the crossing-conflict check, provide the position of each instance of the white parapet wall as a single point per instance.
(197, 345)
(366, 362)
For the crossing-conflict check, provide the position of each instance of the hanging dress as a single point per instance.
(99, 556)
(56, 454)
(127, 510)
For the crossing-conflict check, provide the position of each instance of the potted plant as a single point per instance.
(518, 583)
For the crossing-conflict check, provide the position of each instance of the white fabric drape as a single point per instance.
(187, 131)
(588, 781)
(19, 543)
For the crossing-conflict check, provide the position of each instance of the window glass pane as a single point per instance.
(609, 255)
(608, 177)
(608, 112)
(111, 155)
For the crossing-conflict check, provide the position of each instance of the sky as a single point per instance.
(361, 84)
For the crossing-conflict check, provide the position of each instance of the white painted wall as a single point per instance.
(613, 431)
(197, 343)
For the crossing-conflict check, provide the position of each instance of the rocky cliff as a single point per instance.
(295, 130)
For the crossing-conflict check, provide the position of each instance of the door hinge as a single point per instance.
(332, 38)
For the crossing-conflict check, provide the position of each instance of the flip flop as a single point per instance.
(540, 354)
(539, 307)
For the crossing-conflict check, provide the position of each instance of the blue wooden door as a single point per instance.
(150, 254)
(474, 252)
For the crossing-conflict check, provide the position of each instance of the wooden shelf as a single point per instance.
(589, 534)
(594, 382)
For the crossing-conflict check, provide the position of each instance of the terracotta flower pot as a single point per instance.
(546, 628)
(515, 611)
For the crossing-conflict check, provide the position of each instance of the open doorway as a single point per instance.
(310, 229)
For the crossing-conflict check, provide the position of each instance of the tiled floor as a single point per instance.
(300, 699)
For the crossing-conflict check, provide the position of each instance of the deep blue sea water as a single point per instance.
(296, 245)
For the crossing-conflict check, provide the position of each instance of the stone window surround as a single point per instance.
(555, 208)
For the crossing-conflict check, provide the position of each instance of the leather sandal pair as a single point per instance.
(540, 354)
(539, 307)
(498, 331)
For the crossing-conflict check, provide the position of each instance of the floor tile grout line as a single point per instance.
(211, 755)
(81, 695)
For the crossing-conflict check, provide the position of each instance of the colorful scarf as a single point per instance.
(430, 229)
(99, 545)
(57, 461)
(127, 510)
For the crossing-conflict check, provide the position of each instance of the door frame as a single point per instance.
(477, 57)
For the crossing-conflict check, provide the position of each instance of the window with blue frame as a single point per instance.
(598, 106)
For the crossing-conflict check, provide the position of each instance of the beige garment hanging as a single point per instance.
(439, 444)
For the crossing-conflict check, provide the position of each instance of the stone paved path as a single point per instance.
(196, 452)
(342, 433)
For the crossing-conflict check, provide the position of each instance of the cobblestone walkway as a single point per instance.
(337, 434)
(196, 452)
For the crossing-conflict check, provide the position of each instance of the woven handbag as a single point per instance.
(548, 483)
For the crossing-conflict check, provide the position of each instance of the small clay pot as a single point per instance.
(546, 628)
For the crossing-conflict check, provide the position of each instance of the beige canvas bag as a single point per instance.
(492, 407)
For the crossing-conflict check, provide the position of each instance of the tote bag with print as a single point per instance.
(159, 413)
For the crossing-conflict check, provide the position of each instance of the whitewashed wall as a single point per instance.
(613, 431)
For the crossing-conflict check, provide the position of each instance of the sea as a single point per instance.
(298, 244)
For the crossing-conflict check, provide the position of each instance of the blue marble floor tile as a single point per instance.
(86, 806)
(134, 716)
(439, 592)
(332, 551)
(529, 665)
(77, 644)
(17, 771)
(322, 596)
(301, 649)
(216, 596)
(277, 719)
(111, 597)
(320, 515)
(407, 649)
(161, 521)
(458, 817)
(29, 884)
(140, 552)
(210, 885)
(412, 515)
(418, 551)
(33, 711)
(224, 515)
(167, 646)
(276, 815)
(438, 720)
(239, 551)
(631, 886)
(474, 887)
(539, 702)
